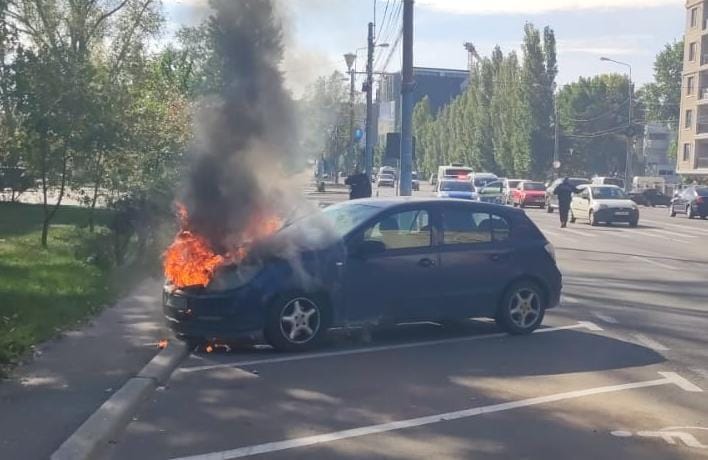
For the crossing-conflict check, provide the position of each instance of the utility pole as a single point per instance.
(369, 152)
(407, 85)
(350, 58)
(556, 123)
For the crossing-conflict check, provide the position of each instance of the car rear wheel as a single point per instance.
(295, 323)
(522, 308)
(672, 212)
(549, 208)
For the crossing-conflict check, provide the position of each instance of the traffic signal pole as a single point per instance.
(369, 152)
(407, 85)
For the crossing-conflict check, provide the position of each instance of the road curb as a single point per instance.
(86, 442)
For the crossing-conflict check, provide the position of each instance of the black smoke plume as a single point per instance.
(245, 131)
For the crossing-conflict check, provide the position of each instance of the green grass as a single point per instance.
(43, 291)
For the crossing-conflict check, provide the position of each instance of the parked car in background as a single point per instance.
(529, 193)
(382, 262)
(493, 192)
(509, 186)
(692, 201)
(385, 180)
(415, 183)
(611, 180)
(650, 197)
(433, 179)
(552, 199)
(479, 180)
(462, 189)
(603, 203)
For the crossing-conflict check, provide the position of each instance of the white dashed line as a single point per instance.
(605, 318)
(650, 343)
(655, 263)
(667, 379)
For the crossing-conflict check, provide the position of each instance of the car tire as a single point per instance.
(672, 212)
(634, 223)
(591, 219)
(521, 308)
(689, 212)
(543, 206)
(296, 322)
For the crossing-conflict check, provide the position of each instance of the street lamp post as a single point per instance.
(350, 59)
(630, 131)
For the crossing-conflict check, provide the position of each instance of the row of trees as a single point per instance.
(504, 121)
(85, 104)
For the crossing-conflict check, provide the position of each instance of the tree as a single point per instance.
(662, 97)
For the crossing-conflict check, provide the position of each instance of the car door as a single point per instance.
(582, 202)
(400, 282)
(475, 259)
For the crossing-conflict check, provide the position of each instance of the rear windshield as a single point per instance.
(534, 186)
(482, 181)
(614, 181)
(452, 172)
(607, 193)
(577, 181)
(450, 186)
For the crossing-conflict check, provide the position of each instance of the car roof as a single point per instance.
(393, 202)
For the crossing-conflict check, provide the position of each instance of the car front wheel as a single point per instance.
(295, 323)
(672, 212)
(521, 310)
(689, 212)
(591, 219)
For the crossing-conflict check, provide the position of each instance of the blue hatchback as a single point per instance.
(376, 262)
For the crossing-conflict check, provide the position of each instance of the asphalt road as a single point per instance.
(619, 371)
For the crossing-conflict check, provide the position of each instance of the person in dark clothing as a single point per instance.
(359, 185)
(564, 191)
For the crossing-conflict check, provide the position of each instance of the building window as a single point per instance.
(688, 121)
(689, 85)
(692, 51)
(686, 152)
(694, 17)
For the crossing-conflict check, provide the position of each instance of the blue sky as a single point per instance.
(319, 32)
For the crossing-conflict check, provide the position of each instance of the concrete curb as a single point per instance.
(86, 442)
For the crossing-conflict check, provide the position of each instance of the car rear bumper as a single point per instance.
(617, 215)
(230, 315)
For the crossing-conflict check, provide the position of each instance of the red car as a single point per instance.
(529, 193)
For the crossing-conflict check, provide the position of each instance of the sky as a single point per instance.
(319, 32)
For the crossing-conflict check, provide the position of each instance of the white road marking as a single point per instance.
(650, 343)
(667, 379)
(356, 351)
(668, 436)
(670, 234)
(655, 263)
(569, 299)
(580, 233)
(605, 318)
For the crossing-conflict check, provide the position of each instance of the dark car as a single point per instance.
(692, 201)
(552, 199)
(650, 197)
(377, 262)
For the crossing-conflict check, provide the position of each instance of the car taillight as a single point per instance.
(550, 250)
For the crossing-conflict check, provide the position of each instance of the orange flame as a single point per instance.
(190, 259)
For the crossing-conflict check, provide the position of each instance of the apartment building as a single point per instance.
(692, 155)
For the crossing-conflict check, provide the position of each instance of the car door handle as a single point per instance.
(426, 263)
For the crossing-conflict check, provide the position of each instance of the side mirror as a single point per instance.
(366, 248)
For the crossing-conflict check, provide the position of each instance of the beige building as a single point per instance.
(692, 155)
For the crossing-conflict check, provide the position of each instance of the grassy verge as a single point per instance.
(43, 291)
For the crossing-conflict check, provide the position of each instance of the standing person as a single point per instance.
(359, 185)
(564, 191)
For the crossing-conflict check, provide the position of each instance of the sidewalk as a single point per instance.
(47, 399)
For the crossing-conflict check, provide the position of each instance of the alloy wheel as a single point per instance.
(300, 320)
(524, 308)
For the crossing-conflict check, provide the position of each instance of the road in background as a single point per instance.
(618, 372)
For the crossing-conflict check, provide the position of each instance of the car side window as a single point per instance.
(403, 230)
(585, 193)
(463, 226)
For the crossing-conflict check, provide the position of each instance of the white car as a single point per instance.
(385, 180)
(460, 189)
(603, 203)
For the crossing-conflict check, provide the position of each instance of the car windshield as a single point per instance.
(343, 217)
(608, 193)
(414, 175)
(386, 176)
(534, 186)
(514, 183)
(455, 186)
(482, 181)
